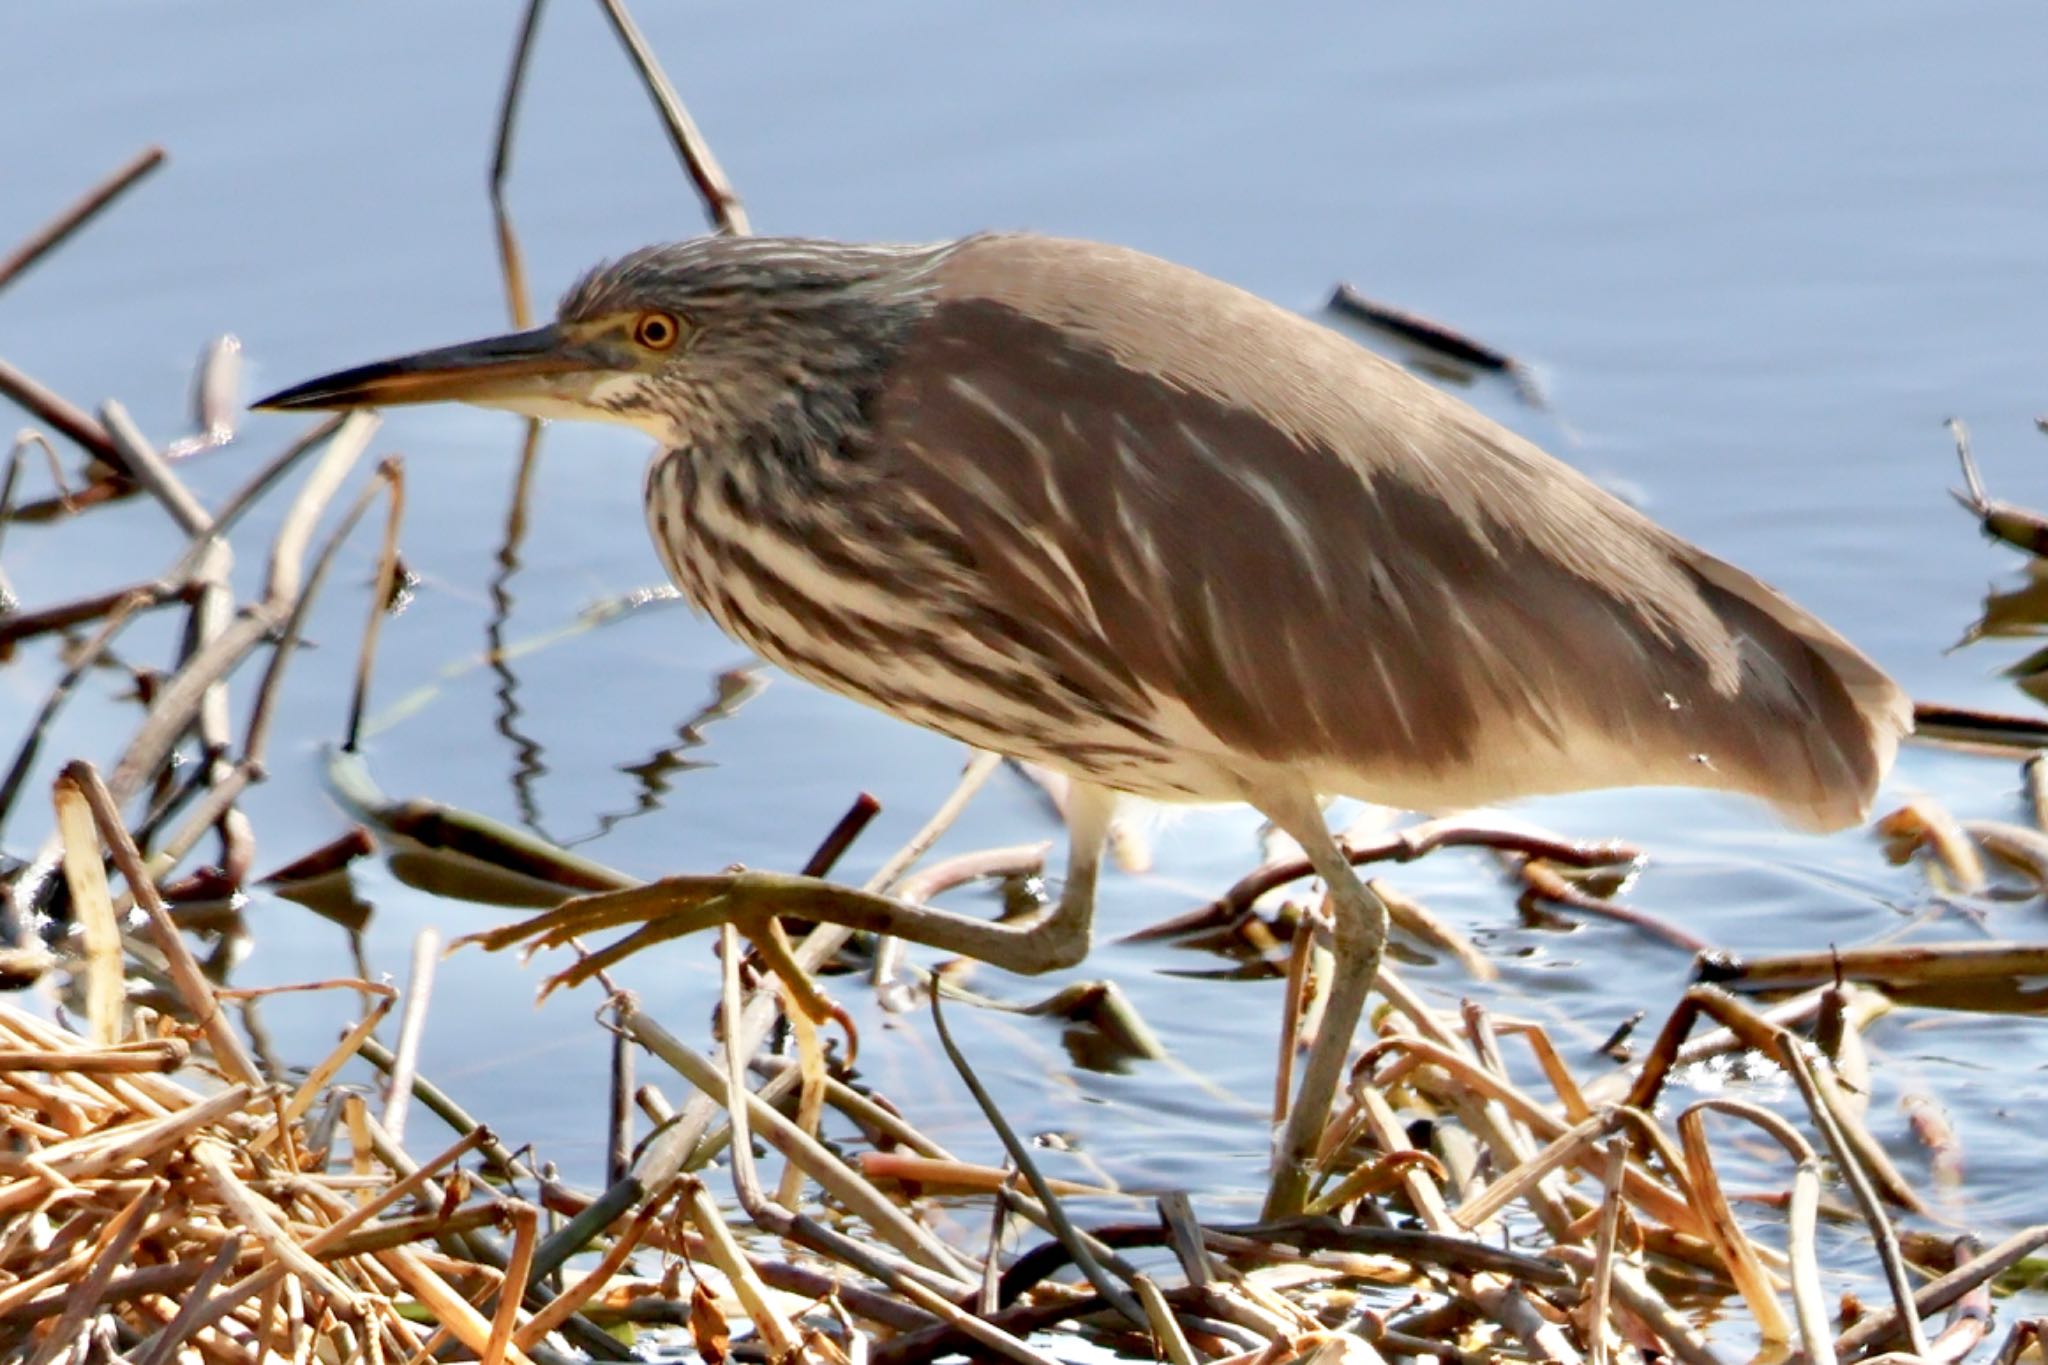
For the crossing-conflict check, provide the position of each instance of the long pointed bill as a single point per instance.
(497, 371)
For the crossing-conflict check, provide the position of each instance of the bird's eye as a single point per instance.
(656, 331)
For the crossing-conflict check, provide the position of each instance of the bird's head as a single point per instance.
(692, 342)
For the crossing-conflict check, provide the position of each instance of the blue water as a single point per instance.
(1757, 263)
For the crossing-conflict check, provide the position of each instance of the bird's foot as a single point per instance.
(751, 902)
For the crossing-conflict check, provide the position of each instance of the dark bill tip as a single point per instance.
(471, 371)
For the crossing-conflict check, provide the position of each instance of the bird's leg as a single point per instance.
(1361, 934)
(676, 906)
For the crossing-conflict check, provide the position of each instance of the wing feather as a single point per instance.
(1230, 516)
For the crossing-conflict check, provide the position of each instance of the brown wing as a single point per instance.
(1220, 506)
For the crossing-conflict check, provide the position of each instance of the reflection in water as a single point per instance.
(2012, 612)
(528, 767)
(2018, 613)
(334, 899)
(731, 690)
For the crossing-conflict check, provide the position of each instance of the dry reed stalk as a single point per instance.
(93, 905)
(1725, 1235)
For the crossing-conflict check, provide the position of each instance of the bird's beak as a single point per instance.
(505, 371)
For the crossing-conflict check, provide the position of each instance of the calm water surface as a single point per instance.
(1757, 264)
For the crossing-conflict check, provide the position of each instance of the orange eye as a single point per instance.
(656, 331)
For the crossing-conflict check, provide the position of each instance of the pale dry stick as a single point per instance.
(197, 994)
(93, 906)
(2022, 849)
(2016, 526)
(215, 600)
(875, 1119)
(95, 1153)
(271, 1273)
(1576, 1108)
(1792, 1052)
(893, 1312)
(1738, 1257)
(1575, 1146)
(2036, 771)
(252, 1214)
(1508, 1139)
(989, 1299)
(1423, 1194)
(161, 1055)
(888, 948)
(1493, 1123)
(1167, 1336)
(59, 229)
(1605, 1248)
(150, 470)
(712, 186)
(178, 581)
(1911, 964)
(1756, 1033)
(26, 437)
(810, 1104)
(217, 805)
(262, 481)
(116, 1242)
(449, 1308)
(1177, 1214)
(775, 1331)
(718, 1138)
(153, 1096)
(412, 1023)
(180, 694)
(1807, 1305)
(63, 1273)
(512, 1291)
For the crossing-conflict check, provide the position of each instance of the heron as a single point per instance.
(1084, 507)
